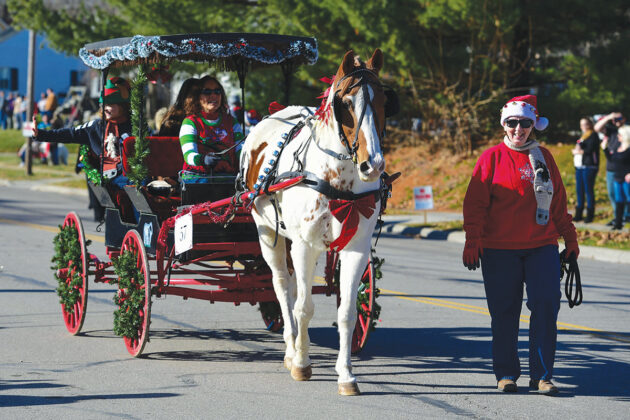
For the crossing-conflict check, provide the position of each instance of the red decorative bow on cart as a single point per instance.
(347, 212)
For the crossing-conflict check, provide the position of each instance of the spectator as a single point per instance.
(17, 113)
(586, 162)
(45, 152)
(8, 110)
(41, 104)
(621, 158)
(51, 102)
(608, 126)
(515, 209)
(3, 117)
(23, 109)
(236, 110)
(252, 117)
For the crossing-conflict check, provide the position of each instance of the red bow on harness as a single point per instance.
(347, 212)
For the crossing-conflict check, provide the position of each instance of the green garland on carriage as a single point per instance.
(68, 256)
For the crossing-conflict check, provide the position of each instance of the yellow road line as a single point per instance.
(484, 311)
(400, 295)
(93, 238)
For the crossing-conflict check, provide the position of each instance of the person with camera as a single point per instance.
(515, 209)
(609, 125)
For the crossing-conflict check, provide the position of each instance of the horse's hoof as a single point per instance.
(287, 362)
(301, 374)
(349, 389)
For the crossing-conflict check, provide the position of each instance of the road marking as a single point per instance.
(484, 311)
(93, 238)
(400, 295)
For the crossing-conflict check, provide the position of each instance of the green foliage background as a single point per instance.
(453, 62)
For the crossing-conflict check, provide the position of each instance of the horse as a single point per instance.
(337, 149)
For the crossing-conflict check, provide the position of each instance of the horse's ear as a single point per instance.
(375, 63)
(347, 64)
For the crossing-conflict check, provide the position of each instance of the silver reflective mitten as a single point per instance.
(543, 187)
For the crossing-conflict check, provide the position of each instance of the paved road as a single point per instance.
(428, 358)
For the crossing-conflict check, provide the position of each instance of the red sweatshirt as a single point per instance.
(500, 206)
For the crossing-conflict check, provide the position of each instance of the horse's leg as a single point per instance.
(352, 267)
(283, 285)
(304, 259)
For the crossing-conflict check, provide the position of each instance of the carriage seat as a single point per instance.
(165, 160)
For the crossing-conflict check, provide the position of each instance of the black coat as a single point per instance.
(89, 133)
(590, 146)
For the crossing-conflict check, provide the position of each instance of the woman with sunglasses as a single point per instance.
(209, 135)
(514, 211)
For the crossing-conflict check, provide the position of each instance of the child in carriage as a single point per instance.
(209, 135)
(117, 128)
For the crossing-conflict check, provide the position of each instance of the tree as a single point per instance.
(454, 62)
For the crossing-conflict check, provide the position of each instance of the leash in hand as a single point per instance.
(570, 268)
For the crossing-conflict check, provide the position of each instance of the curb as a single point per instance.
(458, 236)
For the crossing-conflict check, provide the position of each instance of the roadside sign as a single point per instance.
(423, 197)
(27, 129)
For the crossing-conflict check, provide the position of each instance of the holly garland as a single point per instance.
(138, 171)
(68, 256)
(130, 297)
(92, 173)
(363, 298)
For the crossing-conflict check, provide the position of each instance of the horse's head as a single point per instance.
(359, 110)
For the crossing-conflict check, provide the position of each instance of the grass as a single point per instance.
(12, 140)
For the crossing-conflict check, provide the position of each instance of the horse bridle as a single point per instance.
(352, 149)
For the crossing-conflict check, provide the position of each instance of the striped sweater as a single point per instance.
(199, 136)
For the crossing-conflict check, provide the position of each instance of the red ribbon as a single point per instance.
(347, 212)
(275, 107)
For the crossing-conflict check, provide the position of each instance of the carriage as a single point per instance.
(196, 241)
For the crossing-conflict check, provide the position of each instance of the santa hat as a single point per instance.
(524, 106)
(116, 91)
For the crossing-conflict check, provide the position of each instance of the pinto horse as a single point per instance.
(338, 150)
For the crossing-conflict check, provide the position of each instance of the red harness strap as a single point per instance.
(347, 212)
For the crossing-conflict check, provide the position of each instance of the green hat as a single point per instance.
(116, 91)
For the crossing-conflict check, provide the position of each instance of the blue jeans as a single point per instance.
(610, 184)
(504, 273)
(622, 192)
(585, 184)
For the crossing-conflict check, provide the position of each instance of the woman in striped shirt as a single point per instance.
(209, 135)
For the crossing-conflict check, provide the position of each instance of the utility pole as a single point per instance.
(30, 86)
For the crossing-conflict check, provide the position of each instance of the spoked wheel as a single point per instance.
(366, 300)
(75, 275)
(271, 315)
(134, 294)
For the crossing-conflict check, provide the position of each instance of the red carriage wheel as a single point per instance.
(271, 315)
(74, 317)
(365, 308)
(132, 243)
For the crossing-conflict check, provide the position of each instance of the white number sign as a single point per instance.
(183, 233)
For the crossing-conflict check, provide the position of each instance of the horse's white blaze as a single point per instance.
(376, 163)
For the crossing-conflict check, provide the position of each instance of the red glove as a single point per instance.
(572, 248)
(472, 253)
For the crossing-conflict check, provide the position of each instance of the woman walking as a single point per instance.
(514, 210)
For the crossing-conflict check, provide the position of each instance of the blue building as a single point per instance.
(53, 69)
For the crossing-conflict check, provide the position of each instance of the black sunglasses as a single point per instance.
(618, 119)
(523, 123)
(216, 91)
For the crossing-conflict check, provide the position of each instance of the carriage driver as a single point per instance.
(209, 134)
(117, 127)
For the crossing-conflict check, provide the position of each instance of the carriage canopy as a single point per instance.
(227, 51)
